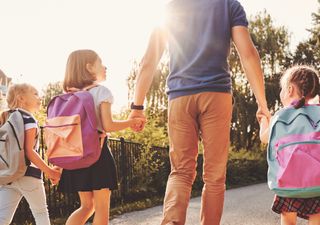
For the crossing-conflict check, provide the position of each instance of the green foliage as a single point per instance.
(50, 91)
(154, 133)
(256, 154)
(41, 116)
(308, 52)
(147, 164)
(246, 167)
(271, 42)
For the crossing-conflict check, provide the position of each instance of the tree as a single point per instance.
(50, 91)
(271, 42)
(308, 52)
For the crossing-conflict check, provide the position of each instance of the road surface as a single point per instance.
(249, 205)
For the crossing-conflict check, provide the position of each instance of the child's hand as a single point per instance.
(102, 136)
(137, 123)
(264, 129)
(55, 174)
(264, 122)
(54, 182)
(134, 114)
(262, 112)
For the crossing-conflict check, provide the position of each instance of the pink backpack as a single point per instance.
(71, 133)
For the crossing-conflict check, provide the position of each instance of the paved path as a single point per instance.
(243, 206)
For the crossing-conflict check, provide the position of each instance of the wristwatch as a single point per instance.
(136, 107)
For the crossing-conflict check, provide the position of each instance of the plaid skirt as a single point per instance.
(302, 206)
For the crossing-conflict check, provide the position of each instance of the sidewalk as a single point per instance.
(243, 206)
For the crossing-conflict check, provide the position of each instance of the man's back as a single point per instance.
(199, 44)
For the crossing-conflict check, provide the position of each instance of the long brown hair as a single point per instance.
(77, 75)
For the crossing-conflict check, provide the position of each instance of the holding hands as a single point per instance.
(262, 111)
(264, 128)
(138, 120)
(263, 116)
(54, 174)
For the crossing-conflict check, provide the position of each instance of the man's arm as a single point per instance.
(148, 66)
(250, 61)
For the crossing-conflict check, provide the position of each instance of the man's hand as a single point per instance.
(261, 112)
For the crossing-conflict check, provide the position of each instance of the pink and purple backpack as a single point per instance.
(294, 152)
(71, 133)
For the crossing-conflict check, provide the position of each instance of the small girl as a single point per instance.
(85, 70)
(299, 85)
(30, 186)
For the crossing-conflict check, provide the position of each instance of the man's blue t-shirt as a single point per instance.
(199, 44)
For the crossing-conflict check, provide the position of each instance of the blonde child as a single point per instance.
(94, 184)
(299, 85)
(30, 186)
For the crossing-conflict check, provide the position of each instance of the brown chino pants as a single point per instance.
(207, 114)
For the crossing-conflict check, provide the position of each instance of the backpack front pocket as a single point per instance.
(299, 165)
(63, 137)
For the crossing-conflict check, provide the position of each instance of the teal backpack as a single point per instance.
(294, 152)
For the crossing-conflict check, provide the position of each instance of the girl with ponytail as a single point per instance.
(299, 86)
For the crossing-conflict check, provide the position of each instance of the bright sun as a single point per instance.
(155, 12)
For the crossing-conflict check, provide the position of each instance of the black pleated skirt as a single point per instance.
(102, 174)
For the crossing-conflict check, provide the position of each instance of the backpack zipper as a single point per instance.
(298, 142)
(4, 161)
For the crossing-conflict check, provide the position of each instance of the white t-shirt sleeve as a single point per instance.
(104, 95)
(29, 122)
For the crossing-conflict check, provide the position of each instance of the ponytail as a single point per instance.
(300, 103)
(306, 80)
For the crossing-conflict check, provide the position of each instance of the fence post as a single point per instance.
(124, 172)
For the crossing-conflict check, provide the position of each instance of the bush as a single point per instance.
(246, 167)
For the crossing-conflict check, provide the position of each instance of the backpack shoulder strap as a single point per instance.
(90, 86)
(88, 103)
(16, 123)
(15, 134)
(87, 88)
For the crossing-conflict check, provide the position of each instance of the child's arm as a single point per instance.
(35, 158)
(264, 129)
(110, 125)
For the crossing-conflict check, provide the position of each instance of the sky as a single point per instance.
(38, 35)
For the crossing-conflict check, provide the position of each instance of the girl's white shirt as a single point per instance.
(100, 94)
